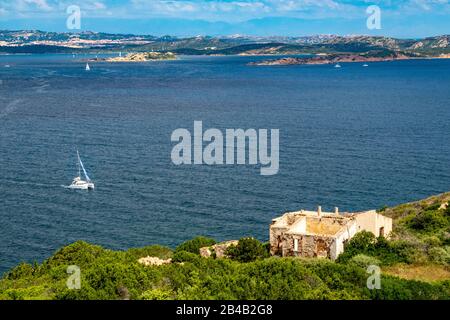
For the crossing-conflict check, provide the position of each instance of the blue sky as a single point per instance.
(399, 18)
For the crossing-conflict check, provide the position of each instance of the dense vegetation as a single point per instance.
(248, 249)
(421, 236)
(423, 227)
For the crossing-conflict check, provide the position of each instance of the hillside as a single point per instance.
(415, 264)
(24, 41)
(334, 58)
(141, 57)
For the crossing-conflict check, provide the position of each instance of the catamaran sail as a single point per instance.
(77, 182)
(82, 167)
(87, 67)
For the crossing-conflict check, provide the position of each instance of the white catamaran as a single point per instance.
(77, 183)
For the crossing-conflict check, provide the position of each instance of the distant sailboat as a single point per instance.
(120, 53)
(337, 65)
(87, 67)
(77, 183)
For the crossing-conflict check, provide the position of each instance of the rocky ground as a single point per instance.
(330, 59)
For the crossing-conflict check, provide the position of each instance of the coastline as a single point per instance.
(332, 59)
(415, 274)
(445, 56)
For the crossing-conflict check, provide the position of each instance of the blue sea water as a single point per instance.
(357, 138)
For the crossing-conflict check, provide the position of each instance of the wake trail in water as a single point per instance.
(10, 108)
(27, 183)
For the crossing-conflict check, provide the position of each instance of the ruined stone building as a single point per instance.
(322, 234)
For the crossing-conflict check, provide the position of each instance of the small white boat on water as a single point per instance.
(365, 65)
(337, 65)
(87, 67)
(77, 182)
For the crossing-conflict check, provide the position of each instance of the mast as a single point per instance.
(82, 167)
(78, 164)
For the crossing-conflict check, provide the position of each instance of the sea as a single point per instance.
(356, 138)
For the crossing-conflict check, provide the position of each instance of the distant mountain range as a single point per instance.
(24, 41)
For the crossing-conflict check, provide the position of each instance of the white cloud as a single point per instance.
(41, 4)
(215, 10)
(429, 4)
(99, 5)
(51, 5)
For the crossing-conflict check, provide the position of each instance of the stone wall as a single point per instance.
(218, 250)
(309, 246)
(319, 234)
(276, 240)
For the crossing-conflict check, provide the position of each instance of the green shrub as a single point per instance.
(391, 252)
(393, 288)
(447, 210)
(152, 251)
(428, 221)
(440, 255)
(195, 244)
(434, 206)
(79, 253)
(30, 293)
(247, 249)
(432, 241)
(362, 243)
(364, 261)
(184, 256)
(117, 275)
(157, 294)
(85, 293)
(23, 270)
(387, 252)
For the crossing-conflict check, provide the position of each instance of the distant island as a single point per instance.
(34, 41)
(333, 58)
(139, 57)
(144, 56)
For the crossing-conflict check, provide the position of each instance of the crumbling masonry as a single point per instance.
(322, 234)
